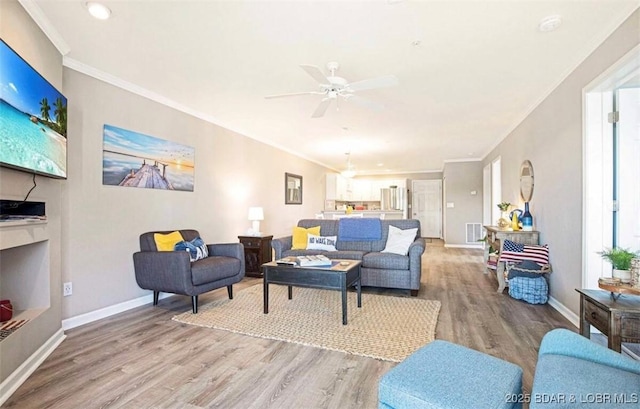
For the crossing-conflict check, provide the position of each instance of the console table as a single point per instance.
(494, 238)
(618, 319)
(257, 251)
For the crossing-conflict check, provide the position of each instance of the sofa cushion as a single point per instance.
(399, 240)
(385, 261)
(347, 255)
(363, 246)
(327, 227)
(203, 273)
(560, 376)
(300, 235)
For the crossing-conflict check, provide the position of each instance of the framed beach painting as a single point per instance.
(133, 159)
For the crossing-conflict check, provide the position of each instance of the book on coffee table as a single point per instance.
(305, 261)
(313, 261)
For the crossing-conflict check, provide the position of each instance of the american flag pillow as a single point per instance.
(512, 251)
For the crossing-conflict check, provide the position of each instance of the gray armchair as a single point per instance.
(173, 272)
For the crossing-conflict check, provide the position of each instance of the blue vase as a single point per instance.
(527, 219)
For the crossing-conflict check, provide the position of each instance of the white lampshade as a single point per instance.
(256, 213)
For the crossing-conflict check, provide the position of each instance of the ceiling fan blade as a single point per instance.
(316, 73)
(294, 94)
(322, 108)
(366, 103)
(380, 82)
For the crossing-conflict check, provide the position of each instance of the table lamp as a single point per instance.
(255, 215)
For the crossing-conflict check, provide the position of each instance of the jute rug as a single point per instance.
(386, 327)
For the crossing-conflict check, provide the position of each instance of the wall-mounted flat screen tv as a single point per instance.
(33, 119)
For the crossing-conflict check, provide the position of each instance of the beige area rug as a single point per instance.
(386, 327)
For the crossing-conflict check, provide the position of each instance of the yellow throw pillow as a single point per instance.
(166, 242)
(299, 241)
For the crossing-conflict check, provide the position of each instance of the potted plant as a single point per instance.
(620, 260)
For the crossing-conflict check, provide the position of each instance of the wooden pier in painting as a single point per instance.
(148, 176)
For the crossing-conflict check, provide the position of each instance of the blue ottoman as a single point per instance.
(442, 375)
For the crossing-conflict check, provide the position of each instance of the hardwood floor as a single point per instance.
(143, 359)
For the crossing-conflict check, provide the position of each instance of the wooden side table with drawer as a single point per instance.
(257, 251)
(618, 319)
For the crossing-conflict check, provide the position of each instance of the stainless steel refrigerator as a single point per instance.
(394, 198)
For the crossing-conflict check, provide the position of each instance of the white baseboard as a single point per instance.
(567, 313)
(17, 378)
(96, 315)
(465, 246)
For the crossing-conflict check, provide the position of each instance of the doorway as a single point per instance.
(426, 206)
(611, 166)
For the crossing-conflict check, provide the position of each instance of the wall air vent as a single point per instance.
(474, 232)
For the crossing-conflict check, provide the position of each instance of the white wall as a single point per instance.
(103, 223)
(551, 138)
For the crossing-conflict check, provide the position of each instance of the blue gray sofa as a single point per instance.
(378, 269)
(572, 373)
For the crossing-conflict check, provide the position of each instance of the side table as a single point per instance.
(257, 251)
(618, 319)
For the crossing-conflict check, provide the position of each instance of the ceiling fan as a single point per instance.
(335, 88)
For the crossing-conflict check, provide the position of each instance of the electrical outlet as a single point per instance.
(67, 289)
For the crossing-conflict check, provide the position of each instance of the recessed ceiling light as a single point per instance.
(98, 10)
(550, 23)
(380, 164)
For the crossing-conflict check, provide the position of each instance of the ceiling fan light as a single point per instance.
(349, 173)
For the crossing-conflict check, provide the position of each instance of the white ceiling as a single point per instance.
(480, 67)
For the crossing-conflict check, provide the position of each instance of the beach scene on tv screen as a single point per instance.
(33, 118)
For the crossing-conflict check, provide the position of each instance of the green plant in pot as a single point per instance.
(620, 260)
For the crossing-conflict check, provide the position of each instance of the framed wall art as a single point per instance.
(292, 189)
(132, 159)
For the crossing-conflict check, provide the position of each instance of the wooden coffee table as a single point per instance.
(337, 277)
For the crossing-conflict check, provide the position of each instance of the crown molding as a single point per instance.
(591, 48)
(160, 99)
(45, 25)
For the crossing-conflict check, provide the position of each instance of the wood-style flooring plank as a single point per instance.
(143, 359)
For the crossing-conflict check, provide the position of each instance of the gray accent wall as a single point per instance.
(551, 138)
(19, 31)
(232, 173)
(459, 180)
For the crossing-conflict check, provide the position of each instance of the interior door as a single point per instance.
(426, 206)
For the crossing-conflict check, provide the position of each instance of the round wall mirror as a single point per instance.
(526, 181)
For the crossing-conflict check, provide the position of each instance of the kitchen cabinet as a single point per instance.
(331, 187)
(357, 190)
